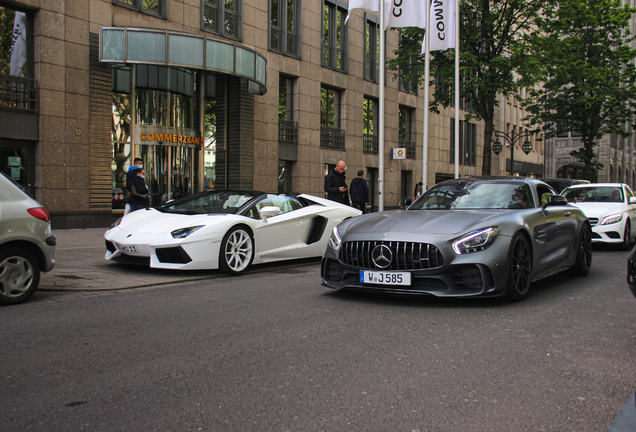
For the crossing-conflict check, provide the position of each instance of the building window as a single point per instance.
(330, 114)
(371, 48)
(404, 84)
(150, 7)
(160, 104)
(334, 35)
(285, 27)
(287, 127)
(405, 128)
(467, 143)
(223, 17)
(284, 177)
(370, 125)
(444, 89)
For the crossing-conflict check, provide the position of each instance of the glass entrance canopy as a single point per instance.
(163, 47)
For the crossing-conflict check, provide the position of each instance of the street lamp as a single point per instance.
(512, 138)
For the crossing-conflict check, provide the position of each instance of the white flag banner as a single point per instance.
(19, 48)
(405, 13)
(370, 5)
(442, 25)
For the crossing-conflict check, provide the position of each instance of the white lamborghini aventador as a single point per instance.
(227, 230)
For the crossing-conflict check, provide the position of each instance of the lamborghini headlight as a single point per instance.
(184, 232)
(612, 219)
(476, 241)
(116, 223)
(334, 239)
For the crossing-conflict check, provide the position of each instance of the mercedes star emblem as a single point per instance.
(381, 256)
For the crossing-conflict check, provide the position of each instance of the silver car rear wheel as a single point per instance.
(237, 251)
(19, 275)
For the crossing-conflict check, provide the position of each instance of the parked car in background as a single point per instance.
(468, 237)
(611, 209)
(631, 271)
(27, 245)
(559, 184)
(225, 229)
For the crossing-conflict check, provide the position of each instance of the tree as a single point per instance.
(120, 132)
(7, 17)
(492, 51)
(588, 74)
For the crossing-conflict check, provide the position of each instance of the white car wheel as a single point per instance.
(237, 251)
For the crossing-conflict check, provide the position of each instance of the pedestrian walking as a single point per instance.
(138, 191)
(138, 163)
(336, 184)
(132, 171)
(359, 192)
(418, 189)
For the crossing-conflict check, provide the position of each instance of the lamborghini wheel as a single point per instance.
(237, 251)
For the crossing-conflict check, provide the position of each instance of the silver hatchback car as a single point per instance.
(27, 245)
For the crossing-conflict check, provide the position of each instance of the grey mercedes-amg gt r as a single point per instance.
(468, 237)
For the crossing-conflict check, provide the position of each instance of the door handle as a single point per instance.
(567, 213)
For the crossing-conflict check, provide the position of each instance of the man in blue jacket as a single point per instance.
(359, 191)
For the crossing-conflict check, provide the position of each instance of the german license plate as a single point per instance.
(129, 249)
(385, 278)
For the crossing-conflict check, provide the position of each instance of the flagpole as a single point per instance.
(381, 107)
(427, 63)
(456, 88)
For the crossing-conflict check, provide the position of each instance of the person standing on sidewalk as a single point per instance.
(359, 191)
(132, 172)
(138, 191)
(336, 184)
(138, 163)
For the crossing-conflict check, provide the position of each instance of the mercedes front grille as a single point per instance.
(404, 255)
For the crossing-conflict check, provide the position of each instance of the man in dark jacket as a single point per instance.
(359, 192)
(336, 184)
(138, 191)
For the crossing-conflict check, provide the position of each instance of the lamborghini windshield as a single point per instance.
(208, 202)
(476, 195)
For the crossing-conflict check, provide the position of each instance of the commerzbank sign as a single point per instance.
(181, 138)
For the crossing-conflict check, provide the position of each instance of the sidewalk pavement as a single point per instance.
(81, 266)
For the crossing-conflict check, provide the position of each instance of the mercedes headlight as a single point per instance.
(612, 219)
(184, 232)
(476, 241)
(334, 239)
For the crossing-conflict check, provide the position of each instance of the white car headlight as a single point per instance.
(612, 219)
(116, 223)
(476, 241)
(184, 232)
(334, 239)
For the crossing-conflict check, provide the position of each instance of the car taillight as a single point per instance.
(40, 213)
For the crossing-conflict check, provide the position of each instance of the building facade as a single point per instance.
(250, 94)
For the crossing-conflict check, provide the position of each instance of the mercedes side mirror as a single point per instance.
(556, 200)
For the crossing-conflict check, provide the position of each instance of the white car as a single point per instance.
(610, 208)
(227, 230)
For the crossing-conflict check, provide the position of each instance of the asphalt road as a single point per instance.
(275, 351)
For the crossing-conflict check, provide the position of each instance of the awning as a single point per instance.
(163, 47)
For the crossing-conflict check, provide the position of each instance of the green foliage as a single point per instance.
(210, 120)
(492, 52)
(6, 38)
(586, 65)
